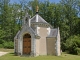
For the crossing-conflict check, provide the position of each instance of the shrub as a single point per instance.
(9, 45)
(72, 43)
(1, 46)
(78, 51)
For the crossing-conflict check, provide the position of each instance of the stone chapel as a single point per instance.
(37, 37)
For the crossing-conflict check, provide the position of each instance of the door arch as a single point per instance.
(27, 44)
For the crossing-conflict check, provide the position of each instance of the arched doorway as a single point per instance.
(27, 44)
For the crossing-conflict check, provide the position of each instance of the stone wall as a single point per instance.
(51, 46)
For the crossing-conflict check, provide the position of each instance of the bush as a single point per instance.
(9, 45)
(1, 46)
(78, 51)
(72, 43)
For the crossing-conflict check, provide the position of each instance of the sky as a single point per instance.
(54, 1)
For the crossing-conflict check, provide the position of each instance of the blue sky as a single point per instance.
(55, 1)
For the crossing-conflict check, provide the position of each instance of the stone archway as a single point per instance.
(27, 44)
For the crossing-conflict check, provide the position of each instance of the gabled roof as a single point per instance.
(36, 35)
(17, 35)
(38, 18)
(25, 27)
(53, 33)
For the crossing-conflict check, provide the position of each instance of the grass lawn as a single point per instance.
(11, 56)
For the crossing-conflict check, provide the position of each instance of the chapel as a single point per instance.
(37, 37)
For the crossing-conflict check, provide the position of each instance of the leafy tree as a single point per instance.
(72, 43)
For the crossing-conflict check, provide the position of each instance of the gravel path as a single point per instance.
(3, 53)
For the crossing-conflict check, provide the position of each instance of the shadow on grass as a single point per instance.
(12, 54)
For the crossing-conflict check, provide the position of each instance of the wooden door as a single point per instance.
(26, 45)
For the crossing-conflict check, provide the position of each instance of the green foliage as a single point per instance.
(9, 45)
(72, 43)
(1, 46)
(78, 51)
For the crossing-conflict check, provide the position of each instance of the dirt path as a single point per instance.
(3, 53)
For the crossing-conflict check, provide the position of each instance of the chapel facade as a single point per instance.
(37, 37)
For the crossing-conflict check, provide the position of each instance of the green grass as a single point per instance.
(64, 56)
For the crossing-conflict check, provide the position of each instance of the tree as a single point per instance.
(72, 43)
(5, 18)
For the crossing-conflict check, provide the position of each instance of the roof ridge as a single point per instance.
(40, 19)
